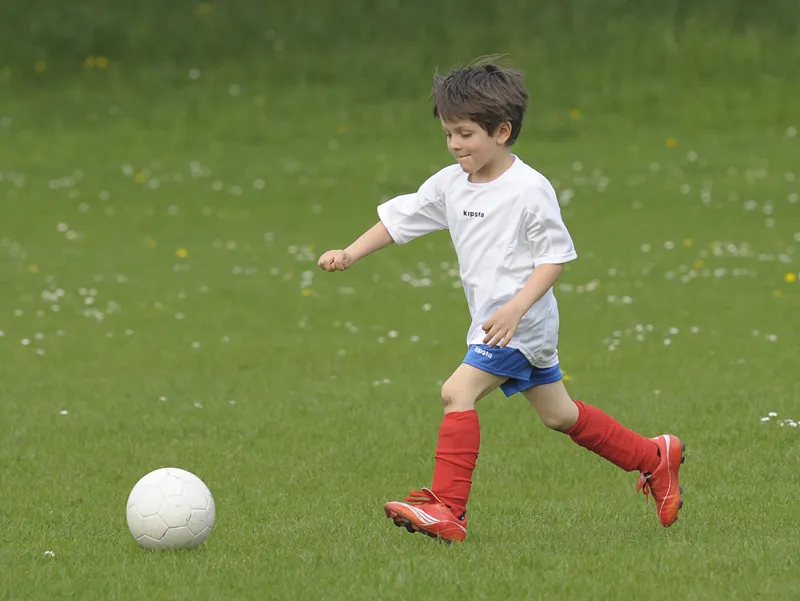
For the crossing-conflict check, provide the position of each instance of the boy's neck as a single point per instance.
(492, 170)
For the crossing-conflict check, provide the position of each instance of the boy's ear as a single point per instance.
(503, 132)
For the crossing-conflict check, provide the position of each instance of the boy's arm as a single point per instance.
(407, 216)
(501, 326)
(542, 279)
(374, 239)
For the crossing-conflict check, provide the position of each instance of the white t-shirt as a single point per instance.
(501, 231)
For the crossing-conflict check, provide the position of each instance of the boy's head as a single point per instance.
(486, 98)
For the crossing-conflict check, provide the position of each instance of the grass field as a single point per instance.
(161, 306)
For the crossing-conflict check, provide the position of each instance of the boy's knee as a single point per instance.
(455, 398)
(560, 422)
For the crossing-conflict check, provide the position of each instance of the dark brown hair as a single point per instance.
(484, 92)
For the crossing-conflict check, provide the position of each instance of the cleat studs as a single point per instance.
(680, 505)
(683, 458)
(683, 447)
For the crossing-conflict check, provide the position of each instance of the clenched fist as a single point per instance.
(335, 260)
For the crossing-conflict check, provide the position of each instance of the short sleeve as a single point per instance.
(546, 230)
(410, 216)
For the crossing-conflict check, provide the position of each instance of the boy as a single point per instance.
(512, 244)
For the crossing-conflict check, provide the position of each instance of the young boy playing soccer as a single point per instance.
(506, 226)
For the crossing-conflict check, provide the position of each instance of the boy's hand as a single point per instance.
(335, 260)
(501, 326)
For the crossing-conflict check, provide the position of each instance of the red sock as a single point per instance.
(456, 455)
(602, 434)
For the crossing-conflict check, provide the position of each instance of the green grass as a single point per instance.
(303, 414)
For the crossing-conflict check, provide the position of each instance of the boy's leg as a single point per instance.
(593, 429)
(440, 512)
(658, 460)
(459, 434)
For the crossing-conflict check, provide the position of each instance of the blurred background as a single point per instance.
(600, 55)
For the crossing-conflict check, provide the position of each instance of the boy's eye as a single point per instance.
(466, 134)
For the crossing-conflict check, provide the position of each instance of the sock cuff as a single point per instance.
(457, 415)
(578, 425)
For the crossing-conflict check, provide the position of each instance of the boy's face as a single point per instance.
(472, 147)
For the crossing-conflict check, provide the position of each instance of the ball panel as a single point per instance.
(180, 474)
(196, 494)
(175, 511)
(202, 536)
(178, 538)
(152, 526)
(200, 520)
(146, 498)
(148, 543)
(153, 477)
(211, 512)
(134, 519)
(170, 486)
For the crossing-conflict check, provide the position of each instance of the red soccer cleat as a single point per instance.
(424, 512)
(663, 482)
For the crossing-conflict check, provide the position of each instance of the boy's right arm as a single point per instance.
(374, 239)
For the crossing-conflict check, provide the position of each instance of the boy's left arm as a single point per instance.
(501, 326)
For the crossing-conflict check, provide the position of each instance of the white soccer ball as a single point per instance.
(170, 508)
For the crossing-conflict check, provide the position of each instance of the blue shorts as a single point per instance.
(511, 363)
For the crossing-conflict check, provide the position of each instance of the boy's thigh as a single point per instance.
(470, 383)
